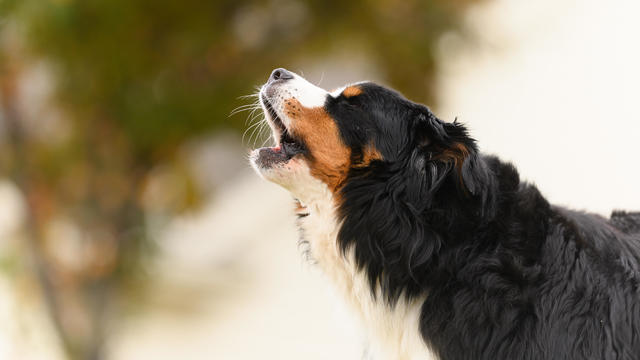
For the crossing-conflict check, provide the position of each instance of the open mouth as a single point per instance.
(286, 145)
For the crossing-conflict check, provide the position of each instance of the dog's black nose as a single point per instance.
(280, 74)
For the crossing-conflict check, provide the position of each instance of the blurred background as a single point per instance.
(130, 224)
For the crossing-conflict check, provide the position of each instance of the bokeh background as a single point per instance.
(130, 224)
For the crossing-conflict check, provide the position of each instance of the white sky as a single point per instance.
(554, 86)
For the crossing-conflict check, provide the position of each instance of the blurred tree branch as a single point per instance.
(18, 174)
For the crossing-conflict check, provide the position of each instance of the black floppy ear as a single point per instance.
(449, 144)
(462, 150)
(428, 133)
(474, 173)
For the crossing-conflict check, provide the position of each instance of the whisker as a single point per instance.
(255, 131)
(248, 105)
(321, 78)
(249, 128)
(265, 132)
(242, 108)
(248, 96)
(253, 134)
(266, 136)
(259, 136)
(253, 116)
(257, 124)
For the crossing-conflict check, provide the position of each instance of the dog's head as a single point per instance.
(327, 140)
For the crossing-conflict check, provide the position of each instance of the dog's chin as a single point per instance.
(276, 156)
(279, 163)
(277, 168)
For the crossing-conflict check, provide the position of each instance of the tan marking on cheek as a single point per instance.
(369, 154)
(352, 91)
(330, 157)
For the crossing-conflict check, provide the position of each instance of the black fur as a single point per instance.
(507, 275)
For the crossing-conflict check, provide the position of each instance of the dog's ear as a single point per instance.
(474, 173)
(449, 152)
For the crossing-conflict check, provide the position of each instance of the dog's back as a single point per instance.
(597, 296)
(627, 222)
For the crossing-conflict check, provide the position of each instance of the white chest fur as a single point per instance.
(393, 331)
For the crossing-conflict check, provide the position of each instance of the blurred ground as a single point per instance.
(550, 85)
(264, 300)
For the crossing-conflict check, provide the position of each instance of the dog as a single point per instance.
(441, 251)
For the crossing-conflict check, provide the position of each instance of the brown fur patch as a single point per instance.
(369, 153)
(457, 153)
(352, 91)
(329, 158)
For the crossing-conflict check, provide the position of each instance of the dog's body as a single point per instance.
(445, 253)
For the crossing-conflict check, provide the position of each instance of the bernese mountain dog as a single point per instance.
(441, 251)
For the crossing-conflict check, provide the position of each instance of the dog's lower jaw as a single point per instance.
(393, 331)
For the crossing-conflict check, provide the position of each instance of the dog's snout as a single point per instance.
(280, 74)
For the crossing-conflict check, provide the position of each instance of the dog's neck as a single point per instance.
(394, 331)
